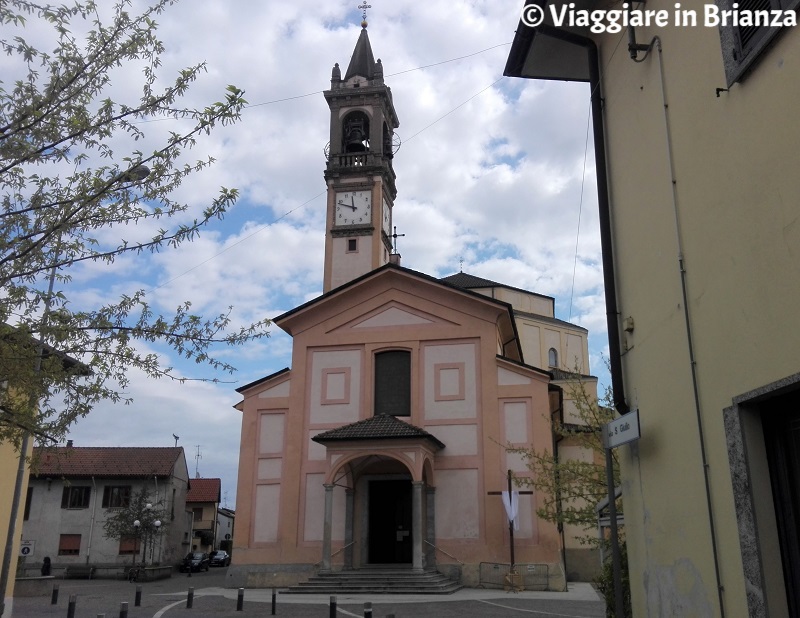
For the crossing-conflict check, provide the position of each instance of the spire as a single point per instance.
(363, 62)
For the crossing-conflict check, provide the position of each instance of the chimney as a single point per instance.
(69, 443)
(394, 258)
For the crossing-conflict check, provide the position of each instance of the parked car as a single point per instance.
(220, 558)
(195, 561)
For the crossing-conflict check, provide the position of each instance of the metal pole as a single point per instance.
(511, 525)
(137, 600)
(73, 599)
(273, 601)
(190, 598)
(332, 612)
(240, 600)
(616, 561)
(368, 609)
(123, 609)
(54, 596)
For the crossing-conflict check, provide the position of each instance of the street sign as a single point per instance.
(622, 430)
(26, 548)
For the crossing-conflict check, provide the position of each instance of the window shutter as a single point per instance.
(106, 492)
(65, 498)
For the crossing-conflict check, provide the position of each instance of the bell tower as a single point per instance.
(359, 174)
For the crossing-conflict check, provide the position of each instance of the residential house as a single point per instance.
(203, 501)
(76, 489)
(695, 138)
(384, 442)
(226, 519)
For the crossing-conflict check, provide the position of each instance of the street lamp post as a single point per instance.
(144, 528)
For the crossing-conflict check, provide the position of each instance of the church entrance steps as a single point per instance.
(389, 580)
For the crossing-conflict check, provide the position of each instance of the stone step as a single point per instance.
(377, 581)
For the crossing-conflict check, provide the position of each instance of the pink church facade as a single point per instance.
(327, 481)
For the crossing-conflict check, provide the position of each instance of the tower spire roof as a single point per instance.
(362, 62)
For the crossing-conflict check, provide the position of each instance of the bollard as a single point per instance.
(368, 609)
(123, 609)
(273, 601)
(137, 600)
(240, 600)
(333, 608)
(73, 599)
(190, 598)
(54, 597)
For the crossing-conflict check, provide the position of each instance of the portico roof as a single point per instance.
(381, 427)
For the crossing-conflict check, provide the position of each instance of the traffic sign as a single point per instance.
(26, 548)
(622, 430)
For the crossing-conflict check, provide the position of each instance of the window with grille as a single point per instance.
(69, 545)
(75, 497)
(743, 43)
(393, 383)
(116, 497)
(129, 545)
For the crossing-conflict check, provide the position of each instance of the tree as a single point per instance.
(140, 524)
(571, 488)
(82, 173)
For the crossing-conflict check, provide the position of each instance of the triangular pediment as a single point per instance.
(395, 315)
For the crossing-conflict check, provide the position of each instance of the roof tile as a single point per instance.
(381, 427)
(204, 490)
(102, 461)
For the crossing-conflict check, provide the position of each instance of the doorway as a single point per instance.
(782, 436)
(390, 522)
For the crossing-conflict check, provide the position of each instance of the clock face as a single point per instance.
(353, 208)
(387, 217)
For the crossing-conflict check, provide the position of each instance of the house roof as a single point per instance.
(469, 282)
(381, 427)
(204, 490)
(106, 461)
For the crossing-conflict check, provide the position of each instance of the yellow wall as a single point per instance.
(9, 463)
(736, 221)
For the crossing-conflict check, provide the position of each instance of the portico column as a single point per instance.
(418, 531)
(348, 529)
(430, 550)
(326, 529)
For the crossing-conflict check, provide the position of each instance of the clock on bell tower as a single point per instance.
(359, 174)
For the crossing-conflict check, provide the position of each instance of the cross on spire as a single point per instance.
(395, 236)
(364, 8)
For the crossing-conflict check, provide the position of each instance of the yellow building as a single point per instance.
(9, 464)
(696, 136)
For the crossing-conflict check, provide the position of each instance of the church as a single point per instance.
(384, 442)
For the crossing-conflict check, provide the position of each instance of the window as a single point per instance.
(69, 545)
(352, 245)
(198, 514)
(743, 43)
(28, 499)
(115, 497)
(552, 358)
(75, 497)
(393, 383)
(129, 545)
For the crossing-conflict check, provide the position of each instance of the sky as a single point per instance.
(495, 177)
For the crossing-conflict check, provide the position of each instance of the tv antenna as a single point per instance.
(197, 459)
